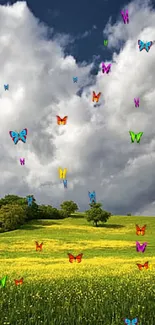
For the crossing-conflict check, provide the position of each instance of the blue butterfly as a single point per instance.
(75, 79)
(131, 322)
(18, 136)
(92, 197)
(6, 87)
(29, 200)
(65, 183)
(145, 46)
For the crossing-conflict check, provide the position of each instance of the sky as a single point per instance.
(41, 50)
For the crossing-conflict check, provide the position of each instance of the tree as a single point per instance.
(69, 207)
(96, 214)
(11, 217)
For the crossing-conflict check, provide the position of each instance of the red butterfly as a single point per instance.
(77, 258)
(96, 97)
(140, 231)
(61, 121)
(18, 282)
(145, 265)
(38, 247)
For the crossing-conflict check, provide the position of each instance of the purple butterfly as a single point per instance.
(22, 161)
(106, 69)
(140, 248)
(125, 16)
(136, 100)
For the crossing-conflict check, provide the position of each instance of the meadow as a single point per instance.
(104, 288)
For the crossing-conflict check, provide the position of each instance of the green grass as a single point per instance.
(104, 289)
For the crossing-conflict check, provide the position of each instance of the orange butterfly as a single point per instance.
(140, 231)
(96, 97)
(77, 258)
(145, 265)
(18, 282)
(61, 121)
(38, 247)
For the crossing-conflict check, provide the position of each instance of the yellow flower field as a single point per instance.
(104, 288)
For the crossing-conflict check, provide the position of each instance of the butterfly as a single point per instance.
(18, 282)
(62, 173)
(140, 248)
(145, 46)
(18, 136)
(6, 87)
(3, 281)
(105, 42)
(22, 161)
(61, 121)
(29, 200)
(95, 97)
(38, 247)
(145, 266)
(92, 196)
(75, 79)
(140, 231)
(65, 183)
(77, 258)
(131, 322)
(125, 17)
(106, 69)
(136, 102)
(135, 136)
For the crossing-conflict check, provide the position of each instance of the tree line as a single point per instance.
(14, 212)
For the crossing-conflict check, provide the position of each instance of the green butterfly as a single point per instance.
(136, 136)
(3, 281)
(105, 42)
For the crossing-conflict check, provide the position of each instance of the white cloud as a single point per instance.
(95, 144)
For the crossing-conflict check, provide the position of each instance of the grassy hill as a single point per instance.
(104, 288)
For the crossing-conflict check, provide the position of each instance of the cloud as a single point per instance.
(95, 144)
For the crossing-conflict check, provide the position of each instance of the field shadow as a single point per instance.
(38, 225)
(111, 226)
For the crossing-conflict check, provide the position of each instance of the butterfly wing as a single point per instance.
(138, 247)
(138, 230)
(146, 265)
(148, 45)
(94, 96)
(127, 321)
(15, 136)
(64, 173)
(71, 258)
(3, 281)
(41, 246)
(132, 134)
(138, 136)
(108, 68)
(22, 135)
(65, 183)
(64, 120)
(79, 258)
(134, 321)
(98, 97)
(59, 120)
(37, 245)
(141, 45)
(143, 230)
(143, 247)
(140, 266)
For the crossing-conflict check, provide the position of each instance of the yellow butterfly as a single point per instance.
(62, 173)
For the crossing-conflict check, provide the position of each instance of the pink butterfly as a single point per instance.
(106, 69)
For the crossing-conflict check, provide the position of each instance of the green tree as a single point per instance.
(69, 207)
(11, 199)
(48, 212)
(97, 214)
(11, 216)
